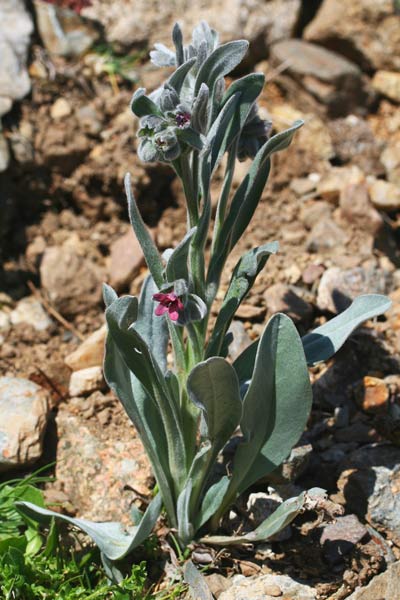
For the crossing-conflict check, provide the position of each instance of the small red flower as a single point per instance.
(170, 303)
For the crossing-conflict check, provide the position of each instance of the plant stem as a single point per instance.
(190, 192)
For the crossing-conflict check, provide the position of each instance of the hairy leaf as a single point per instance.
(221, 62)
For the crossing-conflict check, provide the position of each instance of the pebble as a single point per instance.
(24, 407)
(372, 394)
(312, 273)
(85, 381)
(313, 212)
(30, 311)
(325, 236)
(390, 159)
(90, 353)
(388, 84)
(336, 179)
(384, 195)
(60, 109)
(356, 208)
(249, 311)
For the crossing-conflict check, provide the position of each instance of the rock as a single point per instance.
(71, 280)
(217, 584)
(354, 142)
(316, 138)
(24, 412)
(63, 31)
(333, 80)
(90, 119)
(91, 463)
(241, 339)
(86, 381)
(29, 310)
(90, 353)
(248, 311)
(15, 33)
(382, 587)
(390, 158)
(372, 394)
(126, 258)
(315, 211)
(384, 195)
(330, 185)
(312, 273)
(366, 31)
(356, 208)
(326, 235)
(338, 288)
(255, 588)
(388, 84)
(132, 22)
(302, 186)
(370, 486)
(60, 109)
(4, 153)
(340, 537)
(280, 297)
(292, 467)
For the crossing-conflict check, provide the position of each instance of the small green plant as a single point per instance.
(186, 411)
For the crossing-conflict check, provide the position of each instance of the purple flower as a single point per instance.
(169, 303)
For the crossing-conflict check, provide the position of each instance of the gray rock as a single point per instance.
(72, 281)
(340, 537)
(366, 31)
(23, 419)
(338, 287)
(256, 588)
(293, 466)
(385, 586)
(30, 311)
(325, 236)
(370, 486)
(15, 32)
(333, 80)
(63, 31)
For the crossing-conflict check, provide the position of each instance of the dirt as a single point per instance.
(67, 182)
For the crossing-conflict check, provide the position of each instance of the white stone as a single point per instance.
(60, 109)
(29, 310)
(85, 381)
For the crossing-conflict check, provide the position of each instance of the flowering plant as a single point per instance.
(186, 411)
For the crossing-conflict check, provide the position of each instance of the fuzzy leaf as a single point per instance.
(200, 110)
(185, 528)
(213, 387)
(178, 77)
(109, 537)
(276, 406)
(190, 137)
(150, 251)
(212, 501)
(221, 62)
(199, 589)
(279, 519)
(142, 105)
(177, 265)
(243, 278)
(323, 342)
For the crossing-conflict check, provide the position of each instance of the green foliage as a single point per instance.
(186, 409)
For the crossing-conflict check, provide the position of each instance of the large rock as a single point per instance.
(15, 32)
(370, 487)
(385, 586)
(23, 418)
(338, 288)
(365, 31)
(262, 22)
(267, 587)
(72, 281)
(94, 467)
(334, 81)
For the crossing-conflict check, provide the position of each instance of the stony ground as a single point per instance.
(333, 203)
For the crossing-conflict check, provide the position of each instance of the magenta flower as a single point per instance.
(168, 303)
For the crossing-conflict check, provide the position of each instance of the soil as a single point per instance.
(67, 182)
